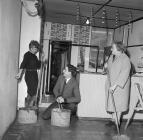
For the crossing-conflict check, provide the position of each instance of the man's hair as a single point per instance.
(34, 43)
(72, 69)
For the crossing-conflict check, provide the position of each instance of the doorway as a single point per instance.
(59, 56)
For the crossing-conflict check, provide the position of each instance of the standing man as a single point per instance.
(66, 92)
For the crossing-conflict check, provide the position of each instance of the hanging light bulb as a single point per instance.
(103, 16)
(117, 18)
(78, 14)
(87, 21)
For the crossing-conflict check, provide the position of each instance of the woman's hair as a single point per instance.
(120, 46)
(72, 69)
(34, 43)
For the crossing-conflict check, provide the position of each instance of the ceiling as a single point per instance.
(102, 13)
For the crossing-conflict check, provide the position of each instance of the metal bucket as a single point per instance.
(27, 116)
(60, 117)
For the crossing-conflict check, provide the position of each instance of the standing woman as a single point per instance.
(29, 65)
(118, 81)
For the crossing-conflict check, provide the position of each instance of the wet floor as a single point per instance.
(80, 129)
(89, 130)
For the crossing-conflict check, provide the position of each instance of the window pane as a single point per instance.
(93, 58)
(86, 58)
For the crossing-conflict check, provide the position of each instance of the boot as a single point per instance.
(32, 101)
(27, 100)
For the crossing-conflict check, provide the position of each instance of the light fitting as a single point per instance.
(37, 7)
(87, 21)
(29, 11)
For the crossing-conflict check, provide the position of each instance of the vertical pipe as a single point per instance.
(97, 59)
(19, 47)
(45, 79)
(49, 66)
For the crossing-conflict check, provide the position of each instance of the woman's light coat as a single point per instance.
(118, 74)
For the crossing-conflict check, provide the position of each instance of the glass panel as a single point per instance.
(81, 58)
(86, 59)
(100, 61)
(93, 58)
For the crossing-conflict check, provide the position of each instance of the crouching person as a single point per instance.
(66, 92)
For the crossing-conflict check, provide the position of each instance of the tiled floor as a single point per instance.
(80, 129)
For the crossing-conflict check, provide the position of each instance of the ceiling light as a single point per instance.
(87, 21)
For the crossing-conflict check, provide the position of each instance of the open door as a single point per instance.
(59, 57)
